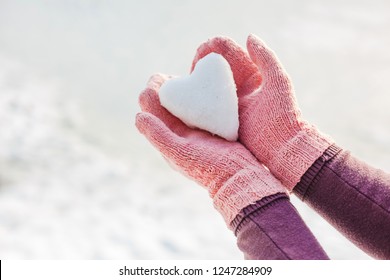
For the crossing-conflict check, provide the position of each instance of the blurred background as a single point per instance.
(77, 181)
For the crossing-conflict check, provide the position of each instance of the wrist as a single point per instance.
(296, 156)
(252, 210)
(313, 174)
(245, 188)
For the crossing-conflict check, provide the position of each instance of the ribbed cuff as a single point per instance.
(298, 154)
(313, 174)
(254, 209)
(245, 188)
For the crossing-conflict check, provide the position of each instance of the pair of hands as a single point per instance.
(271, 132)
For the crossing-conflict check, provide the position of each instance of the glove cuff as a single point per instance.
(296, 156)
(245, 188)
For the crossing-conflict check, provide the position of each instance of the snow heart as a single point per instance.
(206, 98)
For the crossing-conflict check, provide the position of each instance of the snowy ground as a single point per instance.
(76, 179)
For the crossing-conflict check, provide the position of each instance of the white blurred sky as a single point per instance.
(101, 53)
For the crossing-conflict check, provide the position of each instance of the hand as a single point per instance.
(271, 126)
(230, 173)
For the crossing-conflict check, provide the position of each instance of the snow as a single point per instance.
(78, 181)
(206, 98)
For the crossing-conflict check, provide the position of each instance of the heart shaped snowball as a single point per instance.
(206, 98)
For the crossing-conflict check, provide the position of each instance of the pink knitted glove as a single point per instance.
(271, 126)
(231, 174)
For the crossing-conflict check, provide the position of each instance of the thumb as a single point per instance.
(266, 60)
(245, 73)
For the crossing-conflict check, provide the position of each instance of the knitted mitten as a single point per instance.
(271, 126)
(230, 173)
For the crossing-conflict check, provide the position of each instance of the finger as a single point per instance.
(267, 61)
(155, 130)
(245, 72)
(153, 86)
(188, 157)
(157, 80)
(150, 102)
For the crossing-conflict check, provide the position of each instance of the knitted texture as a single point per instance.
(271, 125)
(231, 174)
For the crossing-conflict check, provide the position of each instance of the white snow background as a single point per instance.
(77, 181)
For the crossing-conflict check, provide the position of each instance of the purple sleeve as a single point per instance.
(353, 197)
(273, 229)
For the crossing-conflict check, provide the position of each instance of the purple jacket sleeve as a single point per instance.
(273, 229)
(353, 197)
